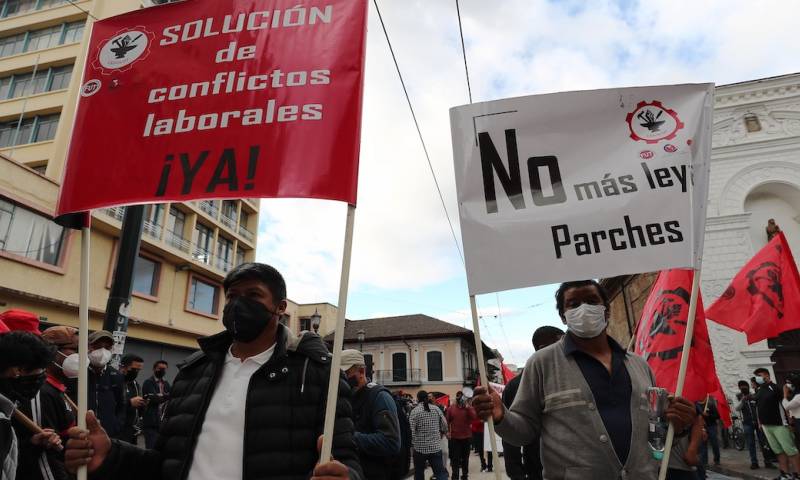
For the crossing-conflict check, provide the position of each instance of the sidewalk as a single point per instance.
(737, 464)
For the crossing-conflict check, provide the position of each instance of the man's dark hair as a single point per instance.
(761, 370)
(744, 383)
(562, 289)
(262, 272)
(129, 358)
(24, 350)
(160, 362)
(544, 336)
(422, 397)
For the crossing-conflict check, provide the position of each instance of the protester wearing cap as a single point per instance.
(585, 380)
(51, 409)
(23, 358)
(105, 386)
(249, 405)
(377, 433)
(20, 320)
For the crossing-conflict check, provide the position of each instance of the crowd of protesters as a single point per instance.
(256, 392)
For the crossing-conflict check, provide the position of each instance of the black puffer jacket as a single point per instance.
(285, 415)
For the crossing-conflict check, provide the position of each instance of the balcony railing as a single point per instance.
(201, 255)
(411, 376)
(115, 212)
(470, 375)
(209, 208)
(152, 229)
(177, 241)
(228, 221)
(223, 264)
(247, 234)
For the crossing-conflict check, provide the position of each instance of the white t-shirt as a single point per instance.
(219, 454)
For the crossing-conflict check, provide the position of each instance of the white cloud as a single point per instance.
(402, 240)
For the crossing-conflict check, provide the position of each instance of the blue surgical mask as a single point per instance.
(760, 380)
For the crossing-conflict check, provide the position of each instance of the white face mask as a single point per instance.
(99, 358)
(760, 380)
(70, 365)
(586, 321)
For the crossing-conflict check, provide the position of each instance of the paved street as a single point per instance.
(475, 474)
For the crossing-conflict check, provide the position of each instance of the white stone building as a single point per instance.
(755, 176)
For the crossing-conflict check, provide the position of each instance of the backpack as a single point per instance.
(400, 465)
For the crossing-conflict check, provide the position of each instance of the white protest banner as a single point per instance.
(582, 184)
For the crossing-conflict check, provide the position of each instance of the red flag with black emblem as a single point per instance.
(722, 405)
(763, 299)
(661, 331)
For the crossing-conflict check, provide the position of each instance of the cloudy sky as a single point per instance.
(404, 256)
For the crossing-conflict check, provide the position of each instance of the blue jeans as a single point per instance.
(750, 440)
(437, 465)
(712, 439)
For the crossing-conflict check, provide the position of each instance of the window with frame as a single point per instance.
(203, 297)
(434, 361)
(28, 234)
(399, 367)
(146, 274)
(305, 324)
(32, 130)
(13, 44)
(239, 256)
(16, 7)
(224, 253)
(24, 84)
(369, 365)
(44, 38)
(73, 32)
(176, 222)
(204, 238)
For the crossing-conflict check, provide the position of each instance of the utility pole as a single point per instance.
(119, 299)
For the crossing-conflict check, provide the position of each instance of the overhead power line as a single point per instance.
(419, 132)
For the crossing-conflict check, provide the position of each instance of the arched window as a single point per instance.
(435, 373)
(399, 368)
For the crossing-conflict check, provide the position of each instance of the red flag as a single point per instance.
(507, 373)
(219, 99)
(722, 405)
(763, 299)
(661, 331)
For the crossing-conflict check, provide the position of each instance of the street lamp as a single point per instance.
(316, 319)
(362, 335)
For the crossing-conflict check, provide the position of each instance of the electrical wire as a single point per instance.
(419, 132)
(463, 51)
(71, 2)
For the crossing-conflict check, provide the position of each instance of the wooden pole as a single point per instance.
(687, 347)
(83, 335)
(338, 340)
(476, 330)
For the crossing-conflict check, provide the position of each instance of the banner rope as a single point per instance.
(71, 2)
(463, 51)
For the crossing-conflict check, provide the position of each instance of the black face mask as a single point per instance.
(160, 373)
(245, 318)
(353, 382)
(22, 388)
(131, 375)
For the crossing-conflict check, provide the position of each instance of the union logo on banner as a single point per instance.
(651, 122)
(123, 50)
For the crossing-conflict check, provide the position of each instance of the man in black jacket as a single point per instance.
(249, 405)
(156, 391)
(129, 367)
(523, 463)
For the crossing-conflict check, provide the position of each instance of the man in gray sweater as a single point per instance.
(584, 398)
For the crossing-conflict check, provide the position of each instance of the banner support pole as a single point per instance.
(338, 340)
(83, 334)
(687, 347)
(476, 330)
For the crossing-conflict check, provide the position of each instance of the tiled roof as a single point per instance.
(404, 326)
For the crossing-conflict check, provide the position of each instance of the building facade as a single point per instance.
(186, 248)
(416, 352)
(755, 177)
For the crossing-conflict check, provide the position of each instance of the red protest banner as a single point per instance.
(209, 99)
